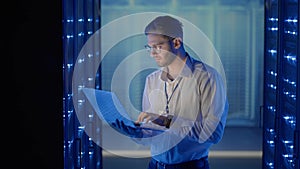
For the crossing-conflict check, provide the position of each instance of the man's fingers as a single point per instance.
(142, 116)
(147, 119)
(118, 123)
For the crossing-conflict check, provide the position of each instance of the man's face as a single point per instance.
(160, 49)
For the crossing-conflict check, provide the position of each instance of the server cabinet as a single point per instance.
(281, 85)
(81, 19)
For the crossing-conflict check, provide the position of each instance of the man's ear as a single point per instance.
(177, 42)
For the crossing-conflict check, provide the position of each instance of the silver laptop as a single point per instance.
(109, 108)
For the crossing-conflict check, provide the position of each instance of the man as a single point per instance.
(186, 96)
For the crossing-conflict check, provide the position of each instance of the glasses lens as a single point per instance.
(152, 49)
(148, 48)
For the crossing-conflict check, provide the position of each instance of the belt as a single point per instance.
(200, 163)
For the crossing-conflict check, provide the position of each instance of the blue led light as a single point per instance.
(271, 142)
(272, 108)
(272, 51)
(69, 20)
(287, 155)
(70, 65)
(270, 164)
(272, 131)
(272, 86)
(273, 19)
(81, 34)
(291, 20)
(69, 36)
(289, 82)
(81, 60)
(273, 28)
(291, 58)
(273, 73)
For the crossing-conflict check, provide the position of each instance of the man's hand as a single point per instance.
(155, 118)
(146, 117)
(127, 130)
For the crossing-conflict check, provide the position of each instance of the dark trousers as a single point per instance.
(195, 164)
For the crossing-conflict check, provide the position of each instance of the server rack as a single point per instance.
(281, 85)
(81, 19)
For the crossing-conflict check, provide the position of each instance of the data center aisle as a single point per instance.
(241, 147)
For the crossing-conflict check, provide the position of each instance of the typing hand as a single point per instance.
(155, 118)
(145, 117)
(127, 130)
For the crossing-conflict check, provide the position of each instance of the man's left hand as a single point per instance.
(127, 130)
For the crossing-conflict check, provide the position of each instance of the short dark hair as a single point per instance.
(166, 26)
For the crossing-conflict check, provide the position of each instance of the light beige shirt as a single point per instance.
(199, 105)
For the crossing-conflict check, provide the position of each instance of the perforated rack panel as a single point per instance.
(81, 19)
(281, 85)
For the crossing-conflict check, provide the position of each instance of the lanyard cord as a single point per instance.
(169, 98)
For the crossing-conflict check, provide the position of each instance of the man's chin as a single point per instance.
(160, 65)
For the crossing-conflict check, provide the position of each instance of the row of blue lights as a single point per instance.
(292, 23)
(286, 31)
(80, 34)
(79, 20)
(289, 57)
(289, 94)
(289, 20)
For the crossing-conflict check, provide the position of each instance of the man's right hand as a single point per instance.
(146, 117)
(154, 118)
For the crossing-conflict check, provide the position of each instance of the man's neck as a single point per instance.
(176, 66)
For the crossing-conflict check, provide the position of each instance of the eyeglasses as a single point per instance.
(155, 48)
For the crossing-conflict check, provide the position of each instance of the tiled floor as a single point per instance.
(240, 148)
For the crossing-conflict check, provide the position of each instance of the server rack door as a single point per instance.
(270, 83)
(281, 104)
(80, 21)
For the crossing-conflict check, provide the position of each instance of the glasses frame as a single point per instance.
(157, 47)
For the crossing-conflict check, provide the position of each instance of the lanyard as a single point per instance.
(169, 98)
